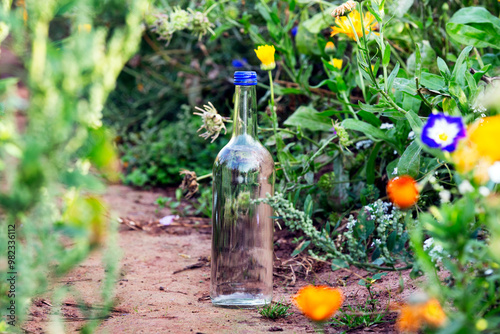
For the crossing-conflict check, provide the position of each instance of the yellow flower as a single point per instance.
(482, 133)
(329, 47)
(318, 303)
(265, 53)
(344, 27)
(337, 63)
(84, 27)
(478, 151)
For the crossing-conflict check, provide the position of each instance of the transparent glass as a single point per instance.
(242, 238)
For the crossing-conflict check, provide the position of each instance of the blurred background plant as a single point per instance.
(54, 151)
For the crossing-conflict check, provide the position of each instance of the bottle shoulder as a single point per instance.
(249, 155)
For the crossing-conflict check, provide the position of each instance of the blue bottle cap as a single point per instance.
(245, 78)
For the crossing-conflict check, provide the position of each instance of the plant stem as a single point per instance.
(391, 102)
(355, 33)
(479, 59)
(206, 176)
(312, 141)
(421, 95)
(348, 103)
(274, 117)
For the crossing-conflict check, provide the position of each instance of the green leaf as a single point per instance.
(387, 55)
(375, 10)
(427, 58)
(390, 169)
(370, 118)
(475, 26)
(415, 121)
(460, 65)
(399, 7)
(369, 130)
(308, 206)
(263, 11)
(392, 76)
(339, 264)
(432, 81)
(373, 109)
(418, 62)
(443, 68)
(332, 85)
(317, 23)
(409, 164)
(379, 275)
(370, 166)
(458, 95)
(301, 248)
(306, 41)
(391, 241)
(307, 118)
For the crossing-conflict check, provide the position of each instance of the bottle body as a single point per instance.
(242, 238)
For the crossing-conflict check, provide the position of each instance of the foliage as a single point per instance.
(72, 61)
(375, 241)
(467, 233)
(359, 316)
(199, 206)
(156, 154)
(275, 310)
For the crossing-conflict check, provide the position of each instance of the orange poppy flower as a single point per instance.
(413, 317)
(318, 303)
(409, 320)
(433, 314)
(402, 191)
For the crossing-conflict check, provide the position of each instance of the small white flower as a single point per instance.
(364, 144)
(428, 243)
(484, 191)
(488, 272)
(385, 126)
(465, 187)
(395, 171)
(445, 196)
(494, 172)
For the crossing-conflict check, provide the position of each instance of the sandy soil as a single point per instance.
(151, 298)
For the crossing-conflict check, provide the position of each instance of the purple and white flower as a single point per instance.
(443, 132)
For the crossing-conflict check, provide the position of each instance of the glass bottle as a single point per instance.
(242, 238)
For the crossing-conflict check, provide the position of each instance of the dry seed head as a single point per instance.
(189, 182)
(213, 123)
(345, 8)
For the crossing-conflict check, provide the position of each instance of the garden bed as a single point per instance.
(151, 298)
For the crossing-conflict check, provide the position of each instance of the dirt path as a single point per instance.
(152, 299)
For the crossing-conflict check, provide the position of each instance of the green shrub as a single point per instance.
(50, 217)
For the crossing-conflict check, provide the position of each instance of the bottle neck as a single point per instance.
(245, 112)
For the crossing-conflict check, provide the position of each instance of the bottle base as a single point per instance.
(241, 300)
